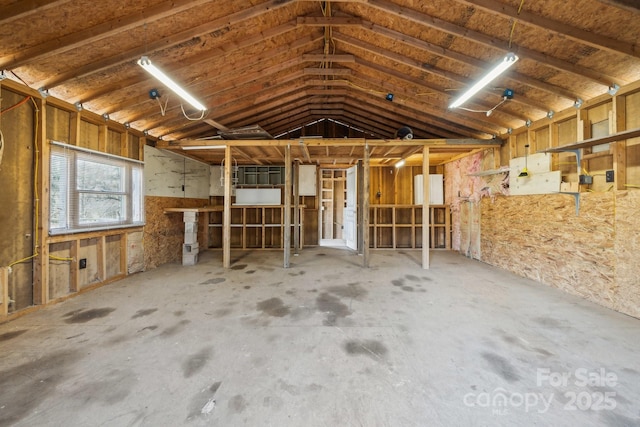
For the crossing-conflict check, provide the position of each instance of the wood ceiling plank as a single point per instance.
(167, 42)
(628, 5)
(419, 66)
(469, 60)
(321, 57)
(327, 71)
(107, 29)
(200, 59)
(492, 42)
(562, 28)
(22, 9)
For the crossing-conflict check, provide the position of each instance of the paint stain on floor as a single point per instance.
(84, 316)
(273, 307)
(142, 313)
(372, 348)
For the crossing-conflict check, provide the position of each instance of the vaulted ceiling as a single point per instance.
(281, 64)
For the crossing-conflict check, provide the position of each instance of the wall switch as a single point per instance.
(82, 263)
(610, 177)
(586, 179)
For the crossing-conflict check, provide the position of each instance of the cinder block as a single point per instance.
(190, 227)
(190, 248)
(190, 259)
(190, 238)
(190, 217)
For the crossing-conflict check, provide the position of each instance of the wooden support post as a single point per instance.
(74, 286)
(226, 213)
(124, 253)
(360, 208)
(102, 257)
(41, 206)
(618, 123)
(287, 206)
(365, 208)
(4, 291)
(425, 208)
(296, 210)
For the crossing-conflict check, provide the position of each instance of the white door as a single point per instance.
(350, 209)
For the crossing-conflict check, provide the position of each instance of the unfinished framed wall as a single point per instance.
(591, 254)
(46, 268)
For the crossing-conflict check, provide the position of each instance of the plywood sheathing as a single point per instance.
(541, 238)
(627, 247)
(164, 233)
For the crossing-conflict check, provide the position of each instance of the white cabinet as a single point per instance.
(307, 176)
(436, 189)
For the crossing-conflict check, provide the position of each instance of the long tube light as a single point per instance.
(145, 63)
(506, 62)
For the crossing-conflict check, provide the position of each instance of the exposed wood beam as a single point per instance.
(419, 66)
(327, 71)
(328, 21)
(628, 5)
(23, 8)
(562, 28)
(320, 57)
(221, 53)
(469, 60)
(490, 41)
(166, 42)
(58, 45)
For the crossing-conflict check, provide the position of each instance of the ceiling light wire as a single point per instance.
(513, 26)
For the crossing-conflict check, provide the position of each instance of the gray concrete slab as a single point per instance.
(324, 343)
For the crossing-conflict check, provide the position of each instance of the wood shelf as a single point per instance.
(627, 134)
(253, 227)
(400, 226)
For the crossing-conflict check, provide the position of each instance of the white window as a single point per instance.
(90, 190)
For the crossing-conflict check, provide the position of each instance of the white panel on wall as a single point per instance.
(258, 196)
(436, 189)
(540, 180)
(307, 176)
(166, 173)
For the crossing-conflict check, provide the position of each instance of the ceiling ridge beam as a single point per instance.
(573, 33)
(492, 42)
(168, 42)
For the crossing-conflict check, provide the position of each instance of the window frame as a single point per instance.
(69, 199)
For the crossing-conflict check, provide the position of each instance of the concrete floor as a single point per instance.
(324, 343)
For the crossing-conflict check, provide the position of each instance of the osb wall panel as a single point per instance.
(541, 238)
(164, 233)
(627, 246)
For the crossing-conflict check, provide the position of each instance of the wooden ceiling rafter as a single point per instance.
(24, 8)
(166, 42)
(490, 41)
(561, 28)
(470, 61)
(432, 70)
(200, 59)
(99, 32)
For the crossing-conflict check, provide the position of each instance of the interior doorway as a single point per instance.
(338, 208)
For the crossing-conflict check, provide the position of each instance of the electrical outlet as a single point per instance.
(82, 263)
(610, 177)
(586, 180)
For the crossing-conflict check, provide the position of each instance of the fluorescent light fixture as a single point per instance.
(400, 163)
(204, 147)
(145, 63)
(507, 62)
